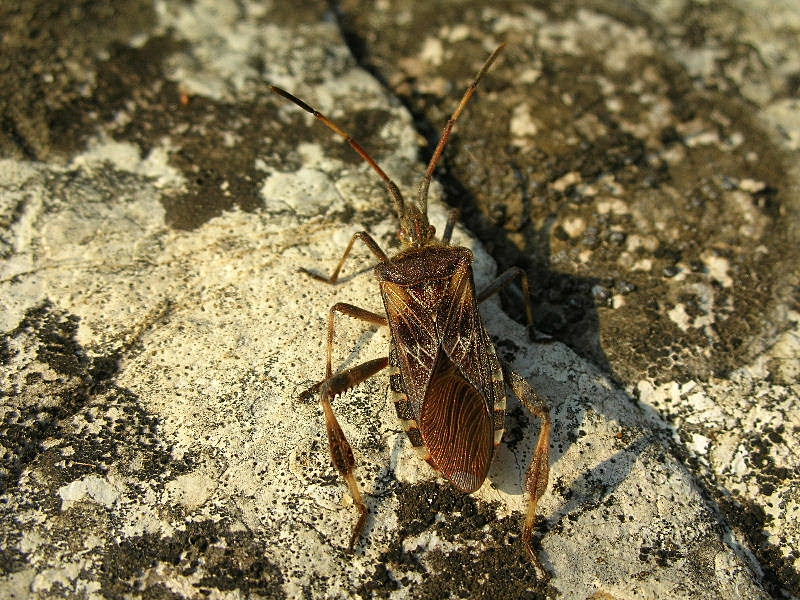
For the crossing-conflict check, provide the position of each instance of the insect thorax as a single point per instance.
(417, 265)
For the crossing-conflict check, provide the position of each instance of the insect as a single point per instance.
(447, 382)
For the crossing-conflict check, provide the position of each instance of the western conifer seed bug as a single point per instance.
(447, 382)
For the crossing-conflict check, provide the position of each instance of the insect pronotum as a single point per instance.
(447, 382)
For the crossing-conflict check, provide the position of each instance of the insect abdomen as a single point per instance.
(499, 408)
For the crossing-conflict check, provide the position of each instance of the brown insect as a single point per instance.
(448, 384)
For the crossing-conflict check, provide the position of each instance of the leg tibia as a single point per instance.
(345, 463)
(539, 469)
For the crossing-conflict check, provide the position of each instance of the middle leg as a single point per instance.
(351, 311)
(502, 281)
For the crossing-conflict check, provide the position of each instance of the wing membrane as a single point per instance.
(456, 427)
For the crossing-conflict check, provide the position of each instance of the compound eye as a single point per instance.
(431, 232)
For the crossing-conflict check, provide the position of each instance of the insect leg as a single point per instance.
(352, 311)
(341, 382)
(448, 228)
(341, 451)
(332, 386)
(539, 469)
(502, 281)
(371, 244)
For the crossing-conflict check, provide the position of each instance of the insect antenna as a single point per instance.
(394, 191)
(422, 193)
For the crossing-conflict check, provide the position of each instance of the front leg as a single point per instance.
(539, 469)
(451, 223)
(368, 242)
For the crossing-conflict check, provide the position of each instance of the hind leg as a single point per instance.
(539, 469)
(332, 386)
(502, 281)
(340, 449)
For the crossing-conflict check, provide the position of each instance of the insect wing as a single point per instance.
(456, 427)
(464, 339)
(457, 419)
(450, 373)
(414, 337)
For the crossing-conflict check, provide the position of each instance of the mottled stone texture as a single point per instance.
(638, 160)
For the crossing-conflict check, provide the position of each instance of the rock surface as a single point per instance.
(157, 202)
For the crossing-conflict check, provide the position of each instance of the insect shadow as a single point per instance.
(556, 296)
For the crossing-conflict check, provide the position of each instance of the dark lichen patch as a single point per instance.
(494, 572)
(72, 429)
(224, 149)
(421, 503)
(208, 552)
(160, 591)
(12, 560)
(31, 415)
(242, 566)
(74, 421)
(776, 559)
(49, 49)
(490, 564)
(217, 147)
(660, 555)
(750, 520)
(55, 336)
(761, 459)
(215, 143)
(759, 518)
